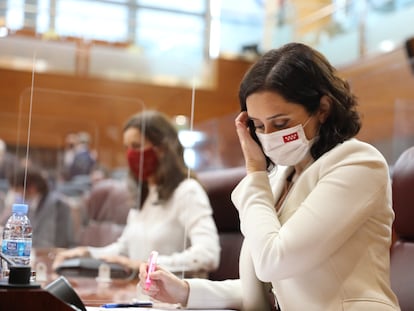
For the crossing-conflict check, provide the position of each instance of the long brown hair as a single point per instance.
(302, 75)
(161, 132)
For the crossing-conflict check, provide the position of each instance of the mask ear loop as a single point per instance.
(312, 140)
(306, 122)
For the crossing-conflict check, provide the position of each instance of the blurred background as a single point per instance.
(70, 66)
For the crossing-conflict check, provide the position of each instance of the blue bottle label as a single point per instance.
(16, 248)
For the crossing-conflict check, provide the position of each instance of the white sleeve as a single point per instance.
(195, 214)
(347, 192)
(227, 294)
(120, 247)
(208, 294)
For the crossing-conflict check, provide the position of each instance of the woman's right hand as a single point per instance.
(253, 154)
(165, 286)
(81, 251)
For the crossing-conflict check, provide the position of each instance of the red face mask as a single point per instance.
(149, 165)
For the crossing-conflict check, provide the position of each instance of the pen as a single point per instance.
(152, 261)
(127, 305)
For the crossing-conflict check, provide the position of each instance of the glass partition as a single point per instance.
(219, 146)
(51, 109)
(17, 53)
(171, 43)
(48, 112)
(160, 41)
(59, 113)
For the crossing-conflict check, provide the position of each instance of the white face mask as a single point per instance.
(286, 147)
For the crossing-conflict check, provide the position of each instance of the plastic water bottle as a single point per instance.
(17, 236)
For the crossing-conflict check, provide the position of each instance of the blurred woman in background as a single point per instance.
(171, 213)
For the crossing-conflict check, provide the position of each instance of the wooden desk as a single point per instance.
(91, 292)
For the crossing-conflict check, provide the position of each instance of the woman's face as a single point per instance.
(133, 139)
(143, 165)
(270, 112)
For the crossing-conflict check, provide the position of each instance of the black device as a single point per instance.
(19, 275)
(89, 267)
(62, 289)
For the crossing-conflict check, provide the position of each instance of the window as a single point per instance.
(92, 20)
(171, 34)
(189, 6)
(15, 14)
(241, 24)
(171, 37)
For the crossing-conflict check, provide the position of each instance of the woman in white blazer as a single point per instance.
(315, 207)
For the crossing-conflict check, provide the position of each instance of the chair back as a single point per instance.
(402, 252)
(219, 184)
(109, 200)
(107, 207)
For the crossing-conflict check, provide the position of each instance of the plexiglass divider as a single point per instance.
(47, 116)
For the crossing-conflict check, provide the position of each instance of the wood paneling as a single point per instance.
(379, 83)
(62, 104)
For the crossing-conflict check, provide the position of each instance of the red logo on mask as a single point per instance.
(290, 137)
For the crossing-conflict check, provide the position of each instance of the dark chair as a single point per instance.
(71, 189)
(219, 184)
(107, 208)
(402, 252)
(109, 200)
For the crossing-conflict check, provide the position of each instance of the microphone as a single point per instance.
(18, 274)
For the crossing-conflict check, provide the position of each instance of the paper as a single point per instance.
(121, 309)
(143, 309)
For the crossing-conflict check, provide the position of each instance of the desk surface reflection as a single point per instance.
(91, 291)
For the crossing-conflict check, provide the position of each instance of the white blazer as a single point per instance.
(327, 249)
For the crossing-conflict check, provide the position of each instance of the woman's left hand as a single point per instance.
(164, 286)
(253, 154)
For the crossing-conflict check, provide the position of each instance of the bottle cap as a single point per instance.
(20, 208)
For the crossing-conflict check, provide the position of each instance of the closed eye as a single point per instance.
(259, 127)
(134, 146)
(280, 124)
(274, 125)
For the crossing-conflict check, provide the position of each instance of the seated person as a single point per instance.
(315, 206)
(171, 213)
(49, 212)
(79, 159)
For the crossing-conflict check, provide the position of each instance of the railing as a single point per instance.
(343, 32)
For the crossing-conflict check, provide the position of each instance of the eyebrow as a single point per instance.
(271, 117)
